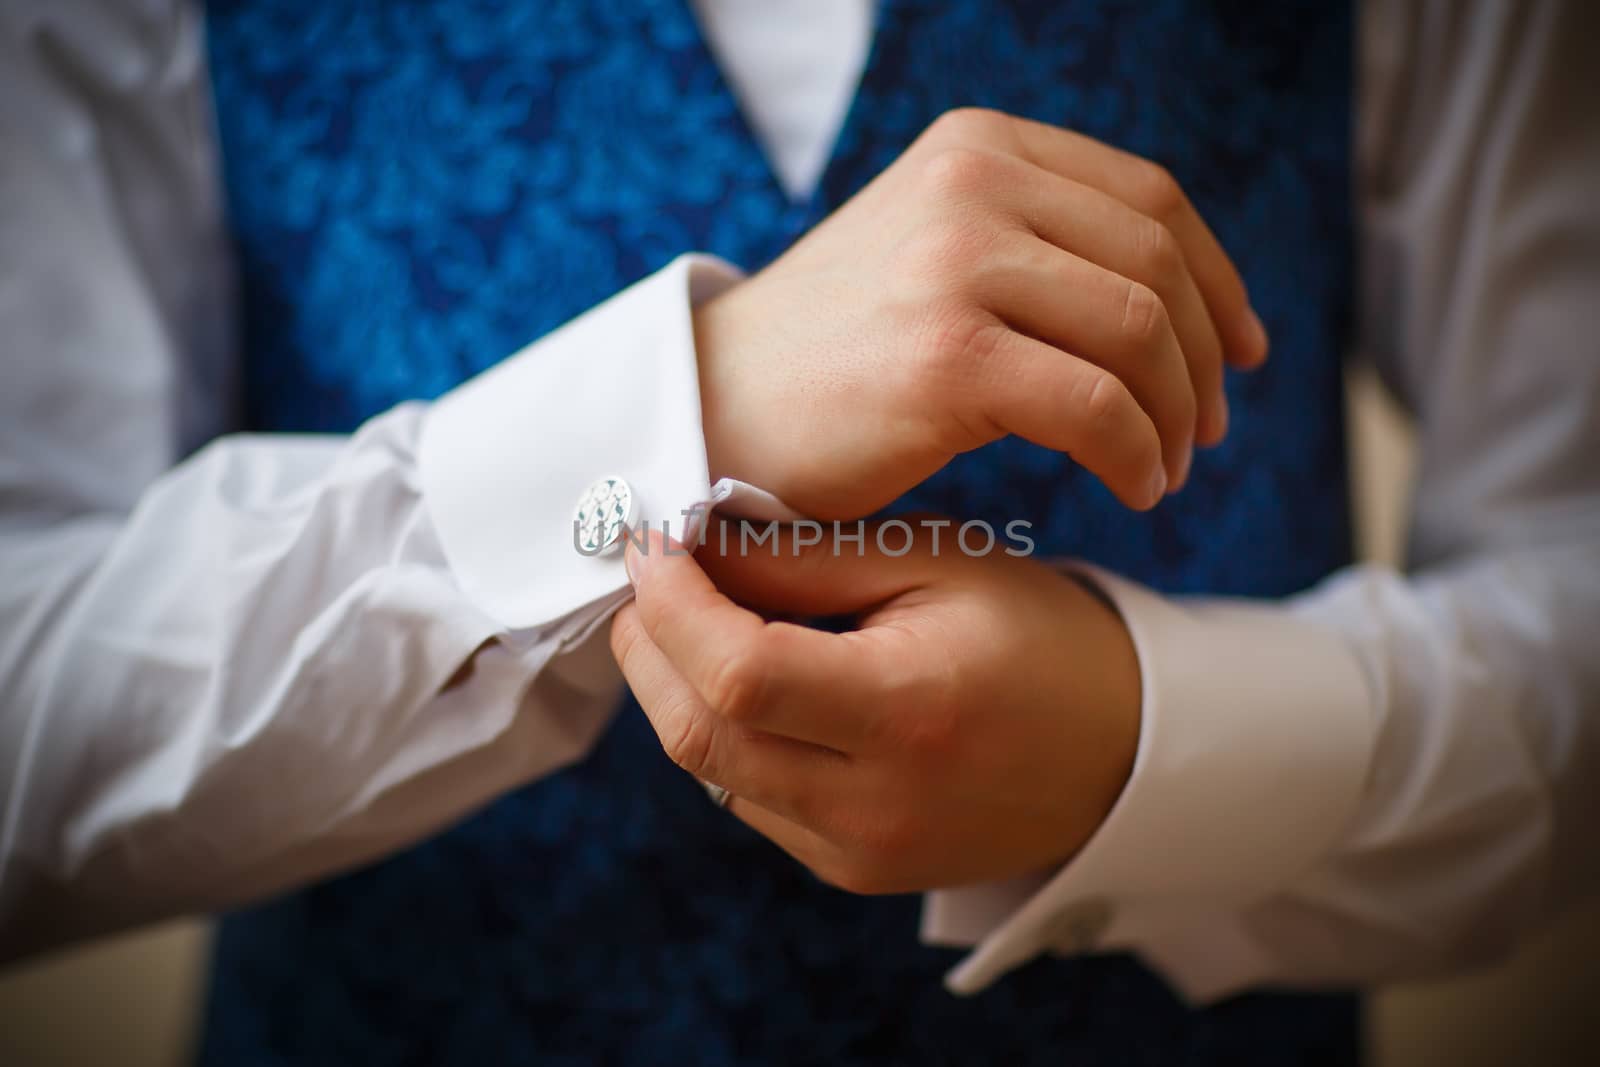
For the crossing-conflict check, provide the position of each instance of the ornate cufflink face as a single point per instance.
(605, 514)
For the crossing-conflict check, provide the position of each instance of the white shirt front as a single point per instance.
(794, 66)
(225, 673)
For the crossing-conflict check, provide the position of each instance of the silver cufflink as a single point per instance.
(606, 512)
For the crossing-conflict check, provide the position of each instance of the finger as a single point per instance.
(786, 775)
(1111, 321)
(1150, 189)
(846, 571)
(885, 670)
(1023, 386)
(1102, 229)
(785, 679)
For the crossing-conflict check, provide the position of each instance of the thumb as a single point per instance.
(810, 568)
(689, 619)
(662, 571)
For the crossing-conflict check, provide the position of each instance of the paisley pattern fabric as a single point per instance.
(420, 188)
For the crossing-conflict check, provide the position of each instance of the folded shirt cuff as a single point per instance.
(505, 458)
(1254, 745)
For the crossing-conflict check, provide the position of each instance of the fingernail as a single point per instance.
(1158, 485)
(1256, 331)
(1184, 465)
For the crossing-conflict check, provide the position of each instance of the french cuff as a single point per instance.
(1254, 745)
(505, 458)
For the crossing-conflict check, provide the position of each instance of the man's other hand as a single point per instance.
(1001, 277)
(978, 723)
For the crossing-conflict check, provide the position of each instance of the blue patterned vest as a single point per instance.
(421, 188)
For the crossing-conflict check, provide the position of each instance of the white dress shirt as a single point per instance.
(230, 664)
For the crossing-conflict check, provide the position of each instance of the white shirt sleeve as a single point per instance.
(225, 674)
(1393, 773)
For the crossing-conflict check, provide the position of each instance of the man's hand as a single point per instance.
(978, 724)
(1001, 277)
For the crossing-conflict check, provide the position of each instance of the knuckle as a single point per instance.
(964, 123)
(1158, 251)
(688, 739)
(951, 343)
(975, 341)
(1102, 399)
(1144, 317)
(958, 173)
(1157, 191)
(959, 341)
(736, 684)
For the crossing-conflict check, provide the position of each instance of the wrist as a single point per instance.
(711, 343)
(1118, 692)
(741, 407)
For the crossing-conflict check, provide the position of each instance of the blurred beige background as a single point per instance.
(134, 1001)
